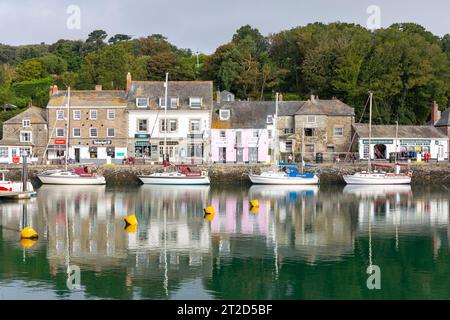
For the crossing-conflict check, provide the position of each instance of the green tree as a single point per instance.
(119, 38)
(29, 70)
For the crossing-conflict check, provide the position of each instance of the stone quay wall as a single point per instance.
(331, 173)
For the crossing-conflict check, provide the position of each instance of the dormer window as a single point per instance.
(26, 123)
(224, 114)
(162, 102)
(173, 103)
(142, 102)
(269, 119)
(311, 119)
(195, 102)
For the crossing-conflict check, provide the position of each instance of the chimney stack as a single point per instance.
(435, 113)
(129, 81)
(98, 87)
(280, 97)
(53, 90)
(218, 96)
(313, 98)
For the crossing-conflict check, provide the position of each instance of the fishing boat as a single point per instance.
(181, 174)
(376, 177)
(13, 186)
(290, 175)
(77, 176)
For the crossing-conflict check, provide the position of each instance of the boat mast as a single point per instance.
(370, 132)
(68, 127)
(303, 141)
(396, 141)
(275, 131)
(166, 127)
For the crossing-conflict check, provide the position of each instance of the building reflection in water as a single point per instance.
(174, 243)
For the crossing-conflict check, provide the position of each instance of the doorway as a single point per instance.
(240, 155)
(223, 155)
(77, 155)
(380, 151)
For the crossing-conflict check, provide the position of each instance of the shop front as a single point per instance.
(99, 152)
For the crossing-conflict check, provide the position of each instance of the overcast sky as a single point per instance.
(201, 24)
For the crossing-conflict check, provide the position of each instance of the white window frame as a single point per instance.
(90, 132)
(222, 134)
(160, 102)
(222, 117)
(112, 112)
(338, 135)
(191, 122)
(141, 106)
(192, 99)
(269, 119)
(31, 136)
(2, 152)
(107, 132)
(309, 118)
(73, 133)
(91, 112)
(76, 112)
(60, 114)
(170, 125)
(26, 123)
(63, 134)
(172, 105)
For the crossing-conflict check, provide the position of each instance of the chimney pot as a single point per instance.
(53, 90)
(218, 96)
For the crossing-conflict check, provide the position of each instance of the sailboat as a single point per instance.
(291, 175)
(182, 174)
(78, 176)
(375, 177)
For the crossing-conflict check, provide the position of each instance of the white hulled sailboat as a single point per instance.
(376, 177)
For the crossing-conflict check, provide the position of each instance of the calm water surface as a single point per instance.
(302, 243)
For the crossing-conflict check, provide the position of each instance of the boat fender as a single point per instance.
(209, 210)
(410, 173)
(28, 243)
(28, 233)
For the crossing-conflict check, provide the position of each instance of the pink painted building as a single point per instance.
(241, 132)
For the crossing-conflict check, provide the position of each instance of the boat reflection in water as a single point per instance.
(298, 243)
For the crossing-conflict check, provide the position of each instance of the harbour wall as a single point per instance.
(331, 173)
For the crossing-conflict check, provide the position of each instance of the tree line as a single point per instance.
(406, 66)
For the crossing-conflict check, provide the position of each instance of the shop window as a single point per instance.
(93, 154)
(111, 152)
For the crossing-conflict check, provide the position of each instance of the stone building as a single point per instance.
(26, 132)
(188, 125)
(98, 125)
(441, 120)
(325, 126)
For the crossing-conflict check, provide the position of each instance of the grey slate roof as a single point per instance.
(404, 132)
(445, 119)
(289, 108)
(182, 90)
(243, 114)
(35, 114)
(333, 107)
(88, 98)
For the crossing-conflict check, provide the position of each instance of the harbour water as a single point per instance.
(300, 243)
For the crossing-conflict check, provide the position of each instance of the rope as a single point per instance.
(354, 134)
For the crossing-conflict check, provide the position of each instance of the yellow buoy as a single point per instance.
(28, 233)
(254, 210)
(209, 210)
(131, 220)
(209, 216)
(131, 228)
(254, 203)
(28, 243)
